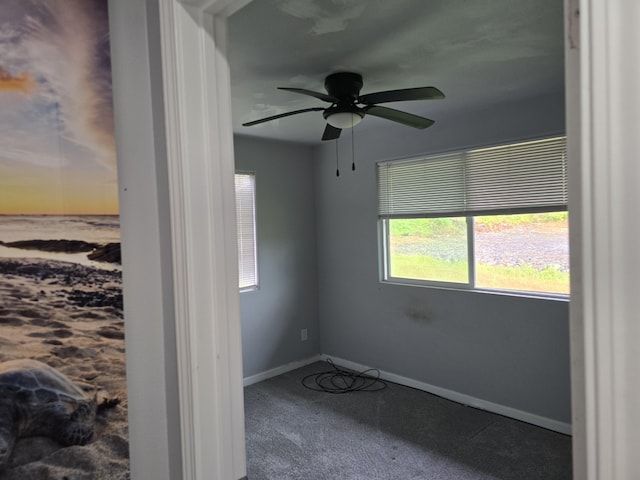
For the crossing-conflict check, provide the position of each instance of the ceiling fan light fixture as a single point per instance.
(344, 119)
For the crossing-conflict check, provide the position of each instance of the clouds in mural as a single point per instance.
(57, 147)
(55, 84)
(20, 83)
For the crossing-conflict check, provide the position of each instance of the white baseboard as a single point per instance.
(274, 372)
(462, 398)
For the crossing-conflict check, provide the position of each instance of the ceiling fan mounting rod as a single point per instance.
(344, 85)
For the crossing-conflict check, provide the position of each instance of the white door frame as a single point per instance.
(604, 152)
(201, 168)
(603, 118)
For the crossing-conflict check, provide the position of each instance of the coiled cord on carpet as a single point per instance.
(338, 381)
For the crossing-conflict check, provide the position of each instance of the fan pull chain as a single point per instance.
(337, 166)
(353, 152)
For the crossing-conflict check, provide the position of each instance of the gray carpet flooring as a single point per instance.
(398, 433)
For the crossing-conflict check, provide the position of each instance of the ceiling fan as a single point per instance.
(348, 107)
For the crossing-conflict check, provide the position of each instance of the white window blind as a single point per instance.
(246, 215)
(523, 177)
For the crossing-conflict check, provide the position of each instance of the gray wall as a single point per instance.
(512, 351)
(286, 300)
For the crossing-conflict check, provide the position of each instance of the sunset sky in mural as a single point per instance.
(57, 149)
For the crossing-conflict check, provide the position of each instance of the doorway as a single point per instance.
(608, 23)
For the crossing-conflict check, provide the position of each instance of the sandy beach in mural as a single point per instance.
(69, 316)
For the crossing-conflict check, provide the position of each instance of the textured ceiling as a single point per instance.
(478, 52)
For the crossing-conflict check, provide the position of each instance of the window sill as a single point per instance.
(487, 291)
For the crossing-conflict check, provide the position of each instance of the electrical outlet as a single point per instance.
(303, 335)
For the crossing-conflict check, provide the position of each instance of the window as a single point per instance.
(491, 218)
(246, 222)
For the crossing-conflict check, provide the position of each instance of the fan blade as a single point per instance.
(321, 96)
(394, 115)
(295, 112)
(420, 93)
(331, 132)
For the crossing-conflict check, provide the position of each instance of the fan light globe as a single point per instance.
(344, 119)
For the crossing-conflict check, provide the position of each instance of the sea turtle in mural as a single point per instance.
(38, 400)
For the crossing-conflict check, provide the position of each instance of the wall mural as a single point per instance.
(63, 402)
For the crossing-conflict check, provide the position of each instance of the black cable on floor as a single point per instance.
(342, 381)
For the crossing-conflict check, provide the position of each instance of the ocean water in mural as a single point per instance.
(60, 265)
(90, 228)
(72, 238)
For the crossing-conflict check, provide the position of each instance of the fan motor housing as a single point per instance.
(344, 85)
